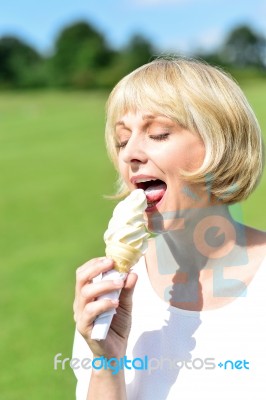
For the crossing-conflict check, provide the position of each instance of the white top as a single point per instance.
(233, 336)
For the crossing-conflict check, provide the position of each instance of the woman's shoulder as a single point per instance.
(256, 250)
(255, 236)
(255, 240)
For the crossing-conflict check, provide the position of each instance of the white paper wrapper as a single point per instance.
(102, 322)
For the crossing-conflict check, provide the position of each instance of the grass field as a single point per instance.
(54, 172)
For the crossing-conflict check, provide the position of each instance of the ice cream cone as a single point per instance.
(124, 256)
(126, 242)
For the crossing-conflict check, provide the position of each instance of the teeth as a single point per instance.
(145, 180)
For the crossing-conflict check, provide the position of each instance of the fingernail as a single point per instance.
(115, 302)
(118, 282)
(106, 261)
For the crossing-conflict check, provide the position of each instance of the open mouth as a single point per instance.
(154, 190)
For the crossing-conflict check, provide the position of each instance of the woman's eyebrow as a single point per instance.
(120, 123)
(148, 120)
(159, 118)
(149, 117)
(144, 117)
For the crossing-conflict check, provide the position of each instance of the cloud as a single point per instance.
(175, 44)
(210, 39)
(205, 40)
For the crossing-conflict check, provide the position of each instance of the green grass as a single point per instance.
(54, 172)
(254, 207)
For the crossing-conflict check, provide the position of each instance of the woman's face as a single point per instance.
(152, 149)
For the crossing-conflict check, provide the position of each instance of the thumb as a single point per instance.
(127, 292)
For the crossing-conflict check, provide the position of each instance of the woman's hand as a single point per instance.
(87, 307)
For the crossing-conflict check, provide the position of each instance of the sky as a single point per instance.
(171, 25)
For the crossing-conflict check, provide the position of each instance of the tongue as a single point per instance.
(155, 192)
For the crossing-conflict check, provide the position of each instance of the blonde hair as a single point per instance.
(204, 100)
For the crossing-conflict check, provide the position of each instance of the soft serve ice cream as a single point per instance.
(126, 241)
(126, 236)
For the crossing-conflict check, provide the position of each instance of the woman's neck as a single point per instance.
(187, 263)
(198, 234)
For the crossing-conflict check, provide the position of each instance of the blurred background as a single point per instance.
(58, 62)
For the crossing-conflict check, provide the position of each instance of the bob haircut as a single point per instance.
(207, 102)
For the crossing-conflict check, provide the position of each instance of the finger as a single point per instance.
(131, 281)
(125, 299)
(88, 271)
(91, 311)
(85, 274)
(89, 292)
(93, 290)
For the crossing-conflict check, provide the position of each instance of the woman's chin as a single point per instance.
(162, 219)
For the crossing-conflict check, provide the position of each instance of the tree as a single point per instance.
(18, 62)
(137, 52)
(244, 47)
(80, 51)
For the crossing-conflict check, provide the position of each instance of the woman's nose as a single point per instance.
(134, 151)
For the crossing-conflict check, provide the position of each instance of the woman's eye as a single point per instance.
(161, 137)
(121, 144)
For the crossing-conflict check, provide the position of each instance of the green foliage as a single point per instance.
(82, 59)
(20, 65)
(137, 52)
(244, 47)
(243, 50)
(80, 52)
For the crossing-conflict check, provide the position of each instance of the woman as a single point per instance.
(193, 323)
